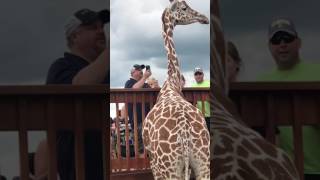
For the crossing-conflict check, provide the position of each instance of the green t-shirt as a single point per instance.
(300, 72)
(311, 134)
(204, 83)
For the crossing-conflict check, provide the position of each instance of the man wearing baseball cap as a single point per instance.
(200, 82)
(138, 78)
(284, 45)
(137, 81)
(86, 62)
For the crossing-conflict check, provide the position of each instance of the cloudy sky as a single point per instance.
(136, 38)
(32, 38)
(246, 24)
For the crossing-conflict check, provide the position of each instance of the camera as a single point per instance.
(147, 67)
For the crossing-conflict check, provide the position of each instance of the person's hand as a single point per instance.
(147, 74)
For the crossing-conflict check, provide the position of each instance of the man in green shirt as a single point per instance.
(200, 82)
(284, 45)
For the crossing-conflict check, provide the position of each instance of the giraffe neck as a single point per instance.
(173, 79)
(237, 148)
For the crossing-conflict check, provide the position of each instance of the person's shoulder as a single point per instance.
(62, 61)
(194, 85)
(311, 65)
(129, 83)
(310, 71)
(207, 82)
(204, 83)
(58, 64)
(268, 76)
(63, 69)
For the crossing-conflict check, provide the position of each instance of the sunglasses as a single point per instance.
(286, 38)
(198, 73)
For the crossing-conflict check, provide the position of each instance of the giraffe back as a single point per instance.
(175, 139)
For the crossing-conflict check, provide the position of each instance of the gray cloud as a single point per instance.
(246, 23)
(136, 39)
(32, 37)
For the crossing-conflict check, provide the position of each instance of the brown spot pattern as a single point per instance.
(250, 147)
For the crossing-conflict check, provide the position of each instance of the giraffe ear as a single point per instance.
(173, 6)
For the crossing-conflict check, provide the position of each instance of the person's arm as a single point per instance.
(94, 73)
(141, 82)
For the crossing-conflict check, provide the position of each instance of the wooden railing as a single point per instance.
(122, 161)
(49, 108)
(268, 105)
(264, 105)
(24, 108)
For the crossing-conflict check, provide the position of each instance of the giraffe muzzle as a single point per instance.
(203, 19)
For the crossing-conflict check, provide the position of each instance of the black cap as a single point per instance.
(139, 67)
(282, 24)
(86, 17)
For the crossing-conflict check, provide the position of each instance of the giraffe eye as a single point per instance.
(184, 8)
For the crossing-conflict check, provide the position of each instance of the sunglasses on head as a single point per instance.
(286, 38)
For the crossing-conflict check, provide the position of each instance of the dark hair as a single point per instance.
(234, 53)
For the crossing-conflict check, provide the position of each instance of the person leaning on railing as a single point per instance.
(200, 82)
(284, 45)
(137, 81)
(86, 63)
(153, 82)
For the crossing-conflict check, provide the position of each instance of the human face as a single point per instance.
(284, 48)
(232, 68)
(91, 37)
(137, 74)
(198, 76)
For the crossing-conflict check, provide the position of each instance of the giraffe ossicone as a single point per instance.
(175, 132)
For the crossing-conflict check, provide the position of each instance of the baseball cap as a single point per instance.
(85, 17)
(282, 24)
(198, 69)
(138, 67)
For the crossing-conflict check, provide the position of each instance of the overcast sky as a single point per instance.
(246, 24)
(32, 38)
(136, 38)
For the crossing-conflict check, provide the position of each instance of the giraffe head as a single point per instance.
(182, 14)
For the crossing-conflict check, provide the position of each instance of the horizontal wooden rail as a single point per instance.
(53, 108)
(49, 108)
(269, 104)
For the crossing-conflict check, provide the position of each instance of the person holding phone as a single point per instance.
(138, 80)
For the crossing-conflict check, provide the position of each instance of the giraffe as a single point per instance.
(239, 153)
(174, 132)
